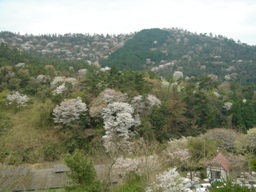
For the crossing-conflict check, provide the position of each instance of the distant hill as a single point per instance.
(162, 51)
(145, 44)
(167, 50)
(67, 47)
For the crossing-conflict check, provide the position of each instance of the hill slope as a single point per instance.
(165, 51)
(162, 51)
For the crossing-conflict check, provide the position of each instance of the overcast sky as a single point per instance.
(232, 18)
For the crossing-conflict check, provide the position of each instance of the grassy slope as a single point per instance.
(29, 132)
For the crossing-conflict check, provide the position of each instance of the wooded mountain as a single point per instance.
(167, 50)
(162, 51)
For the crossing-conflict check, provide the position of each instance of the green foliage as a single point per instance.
(243, 113)
(133, 54)
(82, 173)
(132, 183)
(145, 130)
(178, 123)
(200, 147)
(126, 81)
(158, 122)
(253, 164)
(189, 50)
(72, 141)
(5, 122)
(51, 152)
(9, 55)
(43, 118)
(200, 109)
(19, 156)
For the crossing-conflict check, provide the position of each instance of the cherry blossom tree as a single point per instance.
(59, 90)
(18, 98)
(118, 121)
(106, 97)
(168, 181)
(144, 104)
(69, 110)
(224, 138)
(246, 144)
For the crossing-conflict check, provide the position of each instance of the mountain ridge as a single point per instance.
(162, 51)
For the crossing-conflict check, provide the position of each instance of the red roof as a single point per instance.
(221, 160)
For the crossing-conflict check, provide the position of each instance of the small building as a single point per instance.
(25, 178)
(218, 167)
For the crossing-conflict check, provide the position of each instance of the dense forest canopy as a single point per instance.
(136, 50)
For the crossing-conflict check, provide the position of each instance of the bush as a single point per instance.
(253, 164)
(51, 152)
(133, 182)
(82, 173)
(4, 122)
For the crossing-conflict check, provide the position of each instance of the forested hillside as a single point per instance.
(165, 51)
(162, 51)
(183, 107)
(163, 85)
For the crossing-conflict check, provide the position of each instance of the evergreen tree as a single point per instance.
(82, 173)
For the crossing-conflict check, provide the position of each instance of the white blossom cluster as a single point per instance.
(177, 151)
(118, 120)
(177, 75)
(42, 78)
(57, 81)
(105, 97)
(20, 65)
(72, 81)
(180, 143)
(69, 110)
(138, 104)
(82, 72)
(227, 105)
(19, 99)
(153, 100)
(168, 181)
(178, 156)
(164, 83)
(127, 164)
(141, 104)
(60, 80)
(216, 94)
(138, 164)
(111, 95)
(59, 90)
(105, 69)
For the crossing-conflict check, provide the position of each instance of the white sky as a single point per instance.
(232, 18)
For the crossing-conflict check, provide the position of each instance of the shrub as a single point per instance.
(82, 173)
